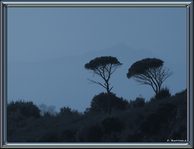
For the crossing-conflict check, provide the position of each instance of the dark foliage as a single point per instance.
(138, 137)
(94, 133)
(68, 135)
(146, 122)
(149, 71)
(143, 65)
(91, 133)
(112, 124)
(50, 137)
(157, 122)
(22, 109)
(104, 67)
(101, 103)
(102, 61)
(18, 115)
(66, 111)
(138, 102)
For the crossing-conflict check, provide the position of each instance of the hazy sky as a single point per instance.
(48, 47)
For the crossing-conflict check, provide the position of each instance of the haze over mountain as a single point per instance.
(47, 50)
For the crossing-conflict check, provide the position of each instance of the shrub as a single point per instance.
(112, 124)
(68, 135)
(50, 137)
(66, 111)
(135, 137)
(22, 109)
(138, 102)
(92, 133)
(104, 101)
(157, 123)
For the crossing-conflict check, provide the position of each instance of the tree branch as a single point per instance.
(95, 82)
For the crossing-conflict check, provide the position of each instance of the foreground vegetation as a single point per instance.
(108, 119)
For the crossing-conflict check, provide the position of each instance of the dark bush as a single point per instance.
(95, 133)
(112, 124)
(19, 115)
(138, 102)
(180, 133)
(135, 137)
(66, 111)
(104, 101)
(50, 137)
(152, 124)
(92, 133)
(164, 93)
(159, 122)
(22, 109)
(155, 122)
(68, 135)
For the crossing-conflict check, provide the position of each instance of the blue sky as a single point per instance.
(48, 47)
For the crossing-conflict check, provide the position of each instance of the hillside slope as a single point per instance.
(155, 121)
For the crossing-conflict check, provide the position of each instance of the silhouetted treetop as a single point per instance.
(103, 101)
(104, 67)
(149, 71)
(143, 65)
(102, 61)
(24, 109)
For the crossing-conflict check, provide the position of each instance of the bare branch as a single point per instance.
(111, 88)
(95, 82)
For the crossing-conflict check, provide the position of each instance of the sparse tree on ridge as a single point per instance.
(104, 67)
(149, 71)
